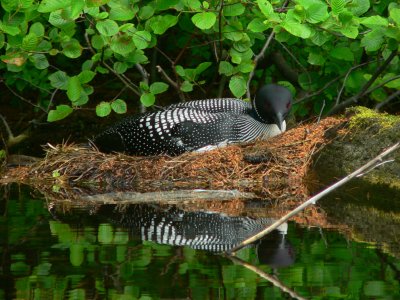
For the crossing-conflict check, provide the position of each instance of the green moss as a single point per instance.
(362, 117)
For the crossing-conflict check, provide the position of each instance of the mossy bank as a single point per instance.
(366, 135)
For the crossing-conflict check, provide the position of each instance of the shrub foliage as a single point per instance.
(327, 51)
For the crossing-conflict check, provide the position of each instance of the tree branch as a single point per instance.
(366, 86)
(171, 82)
(347, 75)
(256, 59)
(260, 56)
(13, 140)
(387, 100)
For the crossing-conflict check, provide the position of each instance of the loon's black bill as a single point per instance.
(279, 120)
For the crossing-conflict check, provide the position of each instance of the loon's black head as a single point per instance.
(272, 104)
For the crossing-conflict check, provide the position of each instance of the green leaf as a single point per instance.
(97, 42)
(237, 85)
(242, 46)
(373, 40)
(122, 44)
(237, 57)
(246, 67)
(137, 57)
(342, 53)
(11, 30)
(317, 12)
(232, 33)
(257, 25)
(144, 87)
(141, 39)
(320, 38)
(202, 67)
(58, 19)
(2, 40)
(350, 31)
(96, 3)
(40, 61)
(127, 27)
(374, 21)
(266, 8)
(194, 5)
(76, 8)
(74, 88)
(107, 27)
(59, 80)
(165, 4)
(103, 15)
(394, 13)
(119, 106)
(358, 7)
(61, 112)
(233, 9)
(103, 109)
(146, 12)
(72, 48)
(123, 13)
(316, 59)
(86, 76)
(147, 99)
(186, 86)
(120, 67)
(37, 28)
(296, 28)
(160, 24)
(225, 68)
(204, 20)
(52, 5)
(180, 70)
(158, 87)
(29, 42)
(337, 6)
(82, 100)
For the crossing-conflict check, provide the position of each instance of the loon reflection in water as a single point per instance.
(208, 231)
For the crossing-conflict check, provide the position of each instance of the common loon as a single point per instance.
(200, 125)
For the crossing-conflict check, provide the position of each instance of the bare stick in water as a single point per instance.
(363, 170)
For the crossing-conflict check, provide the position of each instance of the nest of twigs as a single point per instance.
(272, 169)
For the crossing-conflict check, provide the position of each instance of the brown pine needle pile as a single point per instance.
(272, 169)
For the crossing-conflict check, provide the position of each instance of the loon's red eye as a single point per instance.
(288, 105)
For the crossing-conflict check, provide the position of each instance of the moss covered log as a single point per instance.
(366, 135)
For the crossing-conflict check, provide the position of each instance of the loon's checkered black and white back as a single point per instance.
(186, 127)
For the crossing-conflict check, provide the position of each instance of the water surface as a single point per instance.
(152, 252)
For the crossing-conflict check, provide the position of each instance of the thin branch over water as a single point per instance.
(364, 169)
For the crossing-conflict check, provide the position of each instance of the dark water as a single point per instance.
(150, 252)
